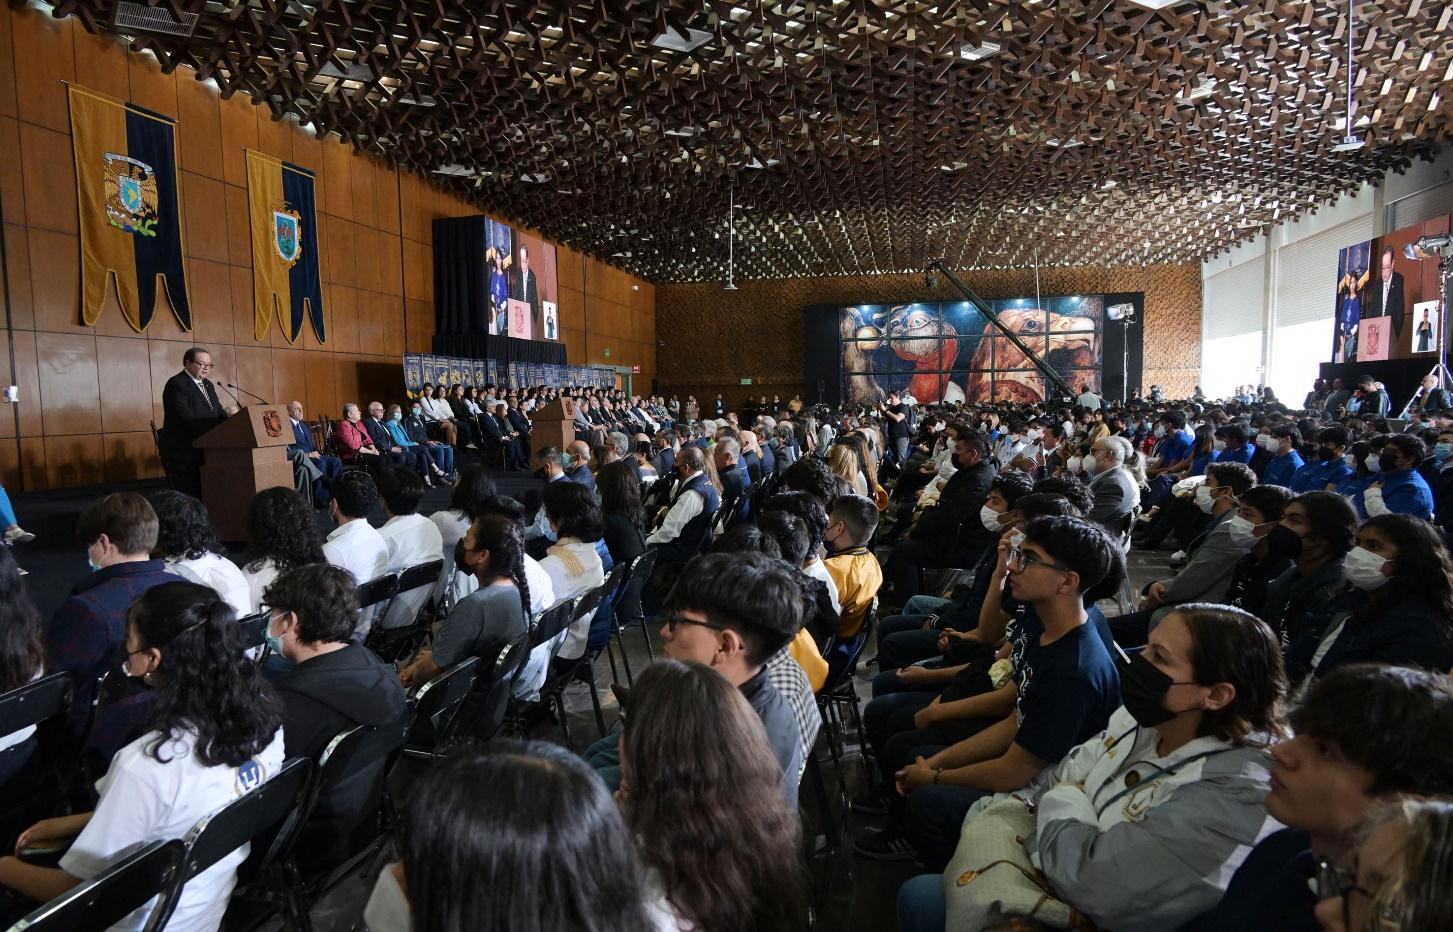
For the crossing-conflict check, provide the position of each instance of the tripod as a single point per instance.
(1440, 369)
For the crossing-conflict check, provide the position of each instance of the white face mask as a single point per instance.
(1363, 569)
(1243, 532)
(989, 518)
(1218, 445)
(1350, 460)
(1159, 431)
(1092, 468)
(388, 907)
(1032, 436)
(1073, 464)
(1371, 462)
(1016, 537)
(1204, 499)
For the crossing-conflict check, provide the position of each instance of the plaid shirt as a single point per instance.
(86, 635)
(791, 683)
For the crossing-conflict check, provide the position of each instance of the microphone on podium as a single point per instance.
(260, 399)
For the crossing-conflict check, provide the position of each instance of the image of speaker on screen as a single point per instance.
(498, 257)
(1353, 276)
(1384, 297)
(533, 282)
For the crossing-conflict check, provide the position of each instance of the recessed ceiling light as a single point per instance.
(971, 52)
(536, 177)
(954, 166)
(1066, 143)
(1109, 183)
(685, 131)
(455, 170)
(422, 100)
(757, 163)
(1202, 89)
(672, 39)
(1349, 145)
(1155, 4)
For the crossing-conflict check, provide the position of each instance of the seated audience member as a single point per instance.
(1181, 770)
(216, 730)
(472, 487)
(685, 528)
(22, 659)
(353, 441)
(415, 455)
(438, 416)
(1394, 604)
(813, 514)
(354, 544)
(1329, 467)
(417, 430)
(1281, 444)
(281, 535)
(1213, 555)
(545, 849)
(383, 440)
(1362, 475)
(577, 465)
(1261, 510)
(84, 636)
(727, 457)
(949, 533)
(1316, 531)
(1398, 489)
(1237, 448)
(1398, 875)
(573, 563)
(1360, 737)
(693, 744)
(732, 612)
(625, 531)
(330, 466)
(411, 539)
(487, 620)
(820, 618)
(333, 686)
(465, 420)
(853, 568)
(844, 466)
(1116, 471)
(1073, 689)
(189, 544)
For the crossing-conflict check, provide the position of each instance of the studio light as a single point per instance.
(1428, 247)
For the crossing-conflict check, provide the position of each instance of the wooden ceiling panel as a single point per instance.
(858, 136)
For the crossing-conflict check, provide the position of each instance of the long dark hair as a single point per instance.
(702, 795)
(1422, 564)
(620, 493)
(1229, 645)
(184, 530)
(205, 683)
(473, 487)
(1205, 440)
(280, 528)
(519, 837)
(502, 539)
(22, 652)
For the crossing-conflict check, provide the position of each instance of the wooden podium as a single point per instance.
(244, 455)
(552, 426)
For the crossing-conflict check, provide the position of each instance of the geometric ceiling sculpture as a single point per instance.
(859, 135)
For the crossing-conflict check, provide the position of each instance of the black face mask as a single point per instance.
(1326, 453)
(1283, 543)
(1387, 462)
(1143, 687)
(459, 559)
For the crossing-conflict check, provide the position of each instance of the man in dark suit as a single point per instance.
(190, 408)
(1384, 297)
(523, 287)
(382, 439)
(330, 466)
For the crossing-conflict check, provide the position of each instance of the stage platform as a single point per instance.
(1400, 376)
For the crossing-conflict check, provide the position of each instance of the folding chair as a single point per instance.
(636, 580)
(839, 691)
(436, 707)
(582, 670)
(166, 466)
(493, 695)
(379, 590)
(258, 812)
(547, 626)
(118, 892)
(40, 767)
(415, 584)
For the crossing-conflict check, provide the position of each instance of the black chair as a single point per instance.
(166, 466)
(563, 673)
(270, 808)
(35, 773)
(254, 631)
(119, 714)
(48, 699)
(393, 644)
(437, 705)
(839, 692)
(636, 580)
(378, 590)
(119, 891)
(492, 701)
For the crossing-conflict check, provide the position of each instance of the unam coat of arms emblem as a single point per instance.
(287, 234)
(132, 204)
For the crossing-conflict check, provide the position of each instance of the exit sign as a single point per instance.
(746, 381)
(635, 370)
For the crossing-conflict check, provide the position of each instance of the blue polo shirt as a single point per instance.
(1281, 469)
(1404, 492)
(1241, 454)
(1175, 446)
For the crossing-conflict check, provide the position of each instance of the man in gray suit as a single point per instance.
(1213, 556)
(1115, 485)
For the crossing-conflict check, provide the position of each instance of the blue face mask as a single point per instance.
(274, 643)
(550, 534)
(418, 411)
(1442, 451)
(397, 417)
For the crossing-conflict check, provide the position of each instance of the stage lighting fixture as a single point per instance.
(1120, 312)
(931, 278)
(1426, 247)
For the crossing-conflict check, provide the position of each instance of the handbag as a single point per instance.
(990, 879)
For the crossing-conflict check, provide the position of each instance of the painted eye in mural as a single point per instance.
(916, 320)
(1032, 325)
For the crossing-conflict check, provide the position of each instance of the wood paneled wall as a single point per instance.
(711, 338)
(88, 395)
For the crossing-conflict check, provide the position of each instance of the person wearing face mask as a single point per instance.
(1141, 827)
(333, 685)
(1316, 532)
(83, 637)
(1173, 447)
(1212, 555)
(1394, 606)
(1235, 448)
(1330, 465)
(355, 545)
(414, 455)
(441, 455)
(685, 527)
(1260, 509)
(854, 570)
(1399, 488)
(577, 467)
(215, 732)
(1361, 458)
(1441, 481)
(1281, 446)
(1115, 478)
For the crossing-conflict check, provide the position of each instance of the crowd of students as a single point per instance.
(1242, 743)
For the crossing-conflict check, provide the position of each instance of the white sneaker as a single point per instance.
(18, 535)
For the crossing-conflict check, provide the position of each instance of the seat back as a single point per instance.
(417, 577)
(437, 702)
(493, 691)
(378, 590)
(555, 619)
(35, 703)
(590, 601)
(254, 629)
(853, 648)
(120, 890)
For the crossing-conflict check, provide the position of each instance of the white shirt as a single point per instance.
(574, 568)
(359, 549)
(436, 409)
(219, 574)
(144, 800)
(411, 540)
(818, 570)
(681, 513)
(257, 582)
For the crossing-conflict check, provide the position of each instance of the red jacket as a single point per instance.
(351, 438)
